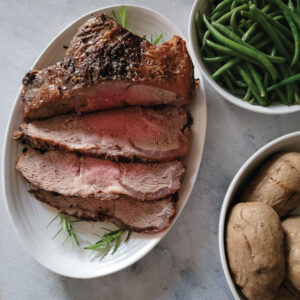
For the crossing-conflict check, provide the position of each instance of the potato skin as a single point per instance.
(277, 183)
(254, 241)
(291, 228)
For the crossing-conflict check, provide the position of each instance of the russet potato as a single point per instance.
(254, 242)
(291, 228)
(277, 183)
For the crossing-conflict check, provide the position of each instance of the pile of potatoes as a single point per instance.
(262, 241)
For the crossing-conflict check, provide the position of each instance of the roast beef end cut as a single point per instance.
(107, 66)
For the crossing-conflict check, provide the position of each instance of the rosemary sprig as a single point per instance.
(122, 19)
(102, 247)
(66, 225)
(157, 40)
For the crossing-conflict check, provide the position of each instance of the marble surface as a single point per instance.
(186, 264)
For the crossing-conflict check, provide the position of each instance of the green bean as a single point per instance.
(237, 39)
(235, 80)
(257, 37)
(231, 52)
(252, 101)
(267, 75)
(257, 80)
(251, 85)
(296, 95)
(229, 33)
(249, 32)
(199, 29)
(209, 52)
(281, 96)
(230, 74)
(287, 14)
(296, 18)
(240, 84)
(289, 95)
(290, 46)
(273, 14)
(228, 65)
(269, 19)
(278, 18)
(266, 8)
(228, 83)
(206, 35)
(236, 43)
(233, 4)
(290, 90)
(253, 26)
(229, 14)
(233, 23)
(273, 51)
(266, 80)
(291, 6)
(215, 59)
(247, 97)
(221, 6)
(217, 15)
(284, 82)
(259, 17)
(289, 87)
(265, 43)
(245, 24)
(226, 80)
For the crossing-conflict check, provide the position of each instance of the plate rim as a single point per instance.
(152, 243)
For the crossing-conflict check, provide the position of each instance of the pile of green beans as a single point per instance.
(252, 48)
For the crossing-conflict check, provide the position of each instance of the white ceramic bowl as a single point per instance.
(289, 142)
(30, 217)
(201, 5)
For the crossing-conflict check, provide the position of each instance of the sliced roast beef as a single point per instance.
(71, 175)
(107, 66)
(133, 133)
(140, 216)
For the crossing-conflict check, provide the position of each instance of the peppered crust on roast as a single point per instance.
(107, 66)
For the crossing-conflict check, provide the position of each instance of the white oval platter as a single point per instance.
(30, 217)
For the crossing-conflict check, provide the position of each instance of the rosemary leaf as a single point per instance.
(57, 233)
(117, 244)
(52, 220)
(122, 12)
(157, 40)
(122, 18)
(107, 241)
(66, 226)
(128, 236)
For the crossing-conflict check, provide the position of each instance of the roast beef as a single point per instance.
(107, 66)
(71, 175)
(133, 133)
(140, 216)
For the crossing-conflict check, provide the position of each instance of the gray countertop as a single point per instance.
(186, 264)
